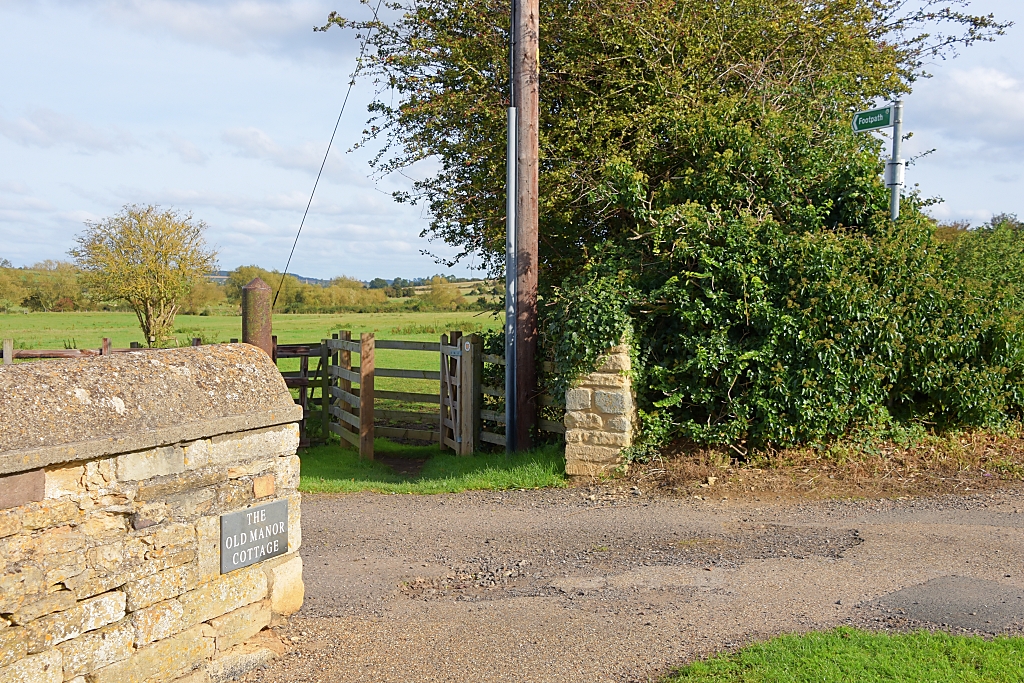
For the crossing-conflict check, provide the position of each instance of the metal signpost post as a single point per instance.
(887, 117)
(510, 247)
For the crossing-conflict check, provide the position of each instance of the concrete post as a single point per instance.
(257, 326)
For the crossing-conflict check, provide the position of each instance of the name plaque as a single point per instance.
(253, 535)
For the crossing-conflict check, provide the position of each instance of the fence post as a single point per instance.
(257, 324)
(105, 347)
(366, 345)
(471, 369)
(325, 391)
(8, 352)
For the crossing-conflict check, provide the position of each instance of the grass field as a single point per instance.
(333, 469)
(850, 655)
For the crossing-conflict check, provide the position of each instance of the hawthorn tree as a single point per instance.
(150, 258)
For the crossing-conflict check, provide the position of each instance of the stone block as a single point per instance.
(42, 668)
(101, 527)
(66, 480)
(22, 488)
(581, 468)
(272, 441)
(578, 399)
(49, 513)
(582, 420)
(63, 566)
(190, 481)
(612, 402)
(10, 522)
(164, 660)
(605, 439)
(238, 626)
(605, 380)
(286, 587)
(197, 454)
(233, 495)
(17, 585)
(589, 453)
(87, 615)
(100, 474)
(243, 658)
(62, 539)
(149, 514)
(208, 551)
(48, 604)
(157, 622)
(161, 586)
(618, 424)
(156, 462)
(97, 649)
(263, 486)
(618, 362)
(251, 469)
(224, 594)
(294, 522)
(13, 645)
(197, 676)
(286, 468)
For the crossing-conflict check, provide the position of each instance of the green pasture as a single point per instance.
(846, 655)
(333, 469)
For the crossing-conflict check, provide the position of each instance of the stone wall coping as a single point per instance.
(79, 409)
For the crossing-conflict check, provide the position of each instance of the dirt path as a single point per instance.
(553, 586)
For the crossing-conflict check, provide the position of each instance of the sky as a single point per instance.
(224, 108)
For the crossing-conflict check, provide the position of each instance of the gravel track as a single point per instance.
(573, 585)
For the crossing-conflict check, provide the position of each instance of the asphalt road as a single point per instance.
(554, 586)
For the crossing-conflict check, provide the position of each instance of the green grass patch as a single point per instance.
(333, 469)
(854, 656)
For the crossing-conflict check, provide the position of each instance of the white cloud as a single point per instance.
(186, 151)
(47, 128)
(256, 144)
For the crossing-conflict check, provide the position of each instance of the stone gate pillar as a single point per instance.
(600, 416)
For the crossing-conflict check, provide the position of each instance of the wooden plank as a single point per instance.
(345, 434)
(404, 415)
(397, 433)
(8, 352)
(551, 426)
(408, 374)
(493, 416)
(344, 374)
(325, 393)
(452, 351)
(408, 396)
(448, 422)
(343, 344)
(345, 396)
(366, 374)
(407, 345)
(296, 382)
(469, 391)
(52, 353)
(493, 359)
(492, 391)
(488, 437)
(451, 444)
(345, 416)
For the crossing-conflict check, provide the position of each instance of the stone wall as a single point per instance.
(599, 416)
(114, 474)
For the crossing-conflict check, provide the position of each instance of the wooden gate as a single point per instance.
(347, 411)
(460, 390)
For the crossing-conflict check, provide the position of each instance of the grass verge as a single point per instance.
(333, 469)
(847, 654)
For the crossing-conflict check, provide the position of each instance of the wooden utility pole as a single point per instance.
(526, 99)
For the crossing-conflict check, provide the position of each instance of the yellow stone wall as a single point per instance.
(600, 415)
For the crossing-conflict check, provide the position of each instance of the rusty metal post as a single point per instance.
(257, 325)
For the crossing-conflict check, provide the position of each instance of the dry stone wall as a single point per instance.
(600, 416)
(110, 536)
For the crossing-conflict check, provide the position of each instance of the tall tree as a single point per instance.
(148, 257)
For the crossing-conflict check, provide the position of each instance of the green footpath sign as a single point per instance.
(872, 120)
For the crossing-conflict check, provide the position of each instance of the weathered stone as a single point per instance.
(157, 622)
(15, 586)
(63, 566)
(65, 480)
(42, 668)
(283, 440)
(238, 626)
(97, 649)
(49, 513)
(251, 469)
(224, 594)
(53, 602)
(580, 436)
(197, 676)
(156, 462)
(244, 658)
(263, 486)
(131, 567)
(287, 471)
(208, 538)
(594, 454)
(101, 527)
(612, 402)
(582, 420)
(618, 362)
(294, 522)
(164, 660)
(149, 514)
(578, 399)
(233, 495)
(86, 616)
(197, 454)
(13, 645)
(158, 491)
(19, 489)
(61, 539)
(286, 587)
(618, 424)
(10, 522)
(161, 586)
(100, 473)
